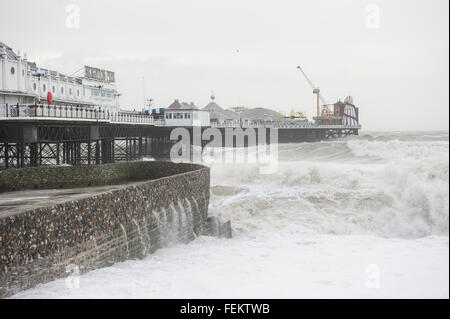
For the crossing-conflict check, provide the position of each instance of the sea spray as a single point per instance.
(125, 239)
(174, 225)
(141, 237)
(190, 218)
(164, 227)
(183, 234)
(145, 224)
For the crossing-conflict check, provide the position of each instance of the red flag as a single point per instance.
(49, 98)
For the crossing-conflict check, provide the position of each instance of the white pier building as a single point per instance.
(24, 83)
(183, 114)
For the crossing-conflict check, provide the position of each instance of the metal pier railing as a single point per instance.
(281, 125)
(89, 113)
(70, 112)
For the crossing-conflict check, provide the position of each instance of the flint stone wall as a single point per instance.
(43, 244)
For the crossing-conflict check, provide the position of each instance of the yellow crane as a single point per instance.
(316, 91)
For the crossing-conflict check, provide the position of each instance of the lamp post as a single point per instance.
(39, 75)
(240, 118)
(118, 95)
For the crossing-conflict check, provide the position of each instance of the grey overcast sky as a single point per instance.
(392, 56)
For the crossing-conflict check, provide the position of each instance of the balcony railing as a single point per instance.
(89, 113)
(270, 124)
(70, 112)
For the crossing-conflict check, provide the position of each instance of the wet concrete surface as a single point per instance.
(12, 203)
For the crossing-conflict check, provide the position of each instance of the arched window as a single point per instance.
(13, 70)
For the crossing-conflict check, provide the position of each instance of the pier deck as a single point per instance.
(76, 136)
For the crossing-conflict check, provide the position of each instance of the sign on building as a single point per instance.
(98, 74)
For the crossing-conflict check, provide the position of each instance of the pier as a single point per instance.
(58, 135)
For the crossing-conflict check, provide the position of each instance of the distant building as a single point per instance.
(260, 115)
(346, 112)
(23, 82)
(220, 115)
(238, 109)
(184, 114)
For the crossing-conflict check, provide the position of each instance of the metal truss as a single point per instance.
(36, 143)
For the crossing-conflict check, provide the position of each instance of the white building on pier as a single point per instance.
(24, 83)
(184, 114)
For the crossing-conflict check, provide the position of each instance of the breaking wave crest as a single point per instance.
(389, 186)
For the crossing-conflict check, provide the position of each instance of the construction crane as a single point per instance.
(316, 91)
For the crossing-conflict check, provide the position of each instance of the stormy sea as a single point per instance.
(360, 217)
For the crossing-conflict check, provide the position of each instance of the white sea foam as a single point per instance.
(388, 188)
(316, 228)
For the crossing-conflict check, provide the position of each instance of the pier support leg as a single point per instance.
(97, 152)
(6, 155)
(140, 147)
(57, 154)
(33, 154)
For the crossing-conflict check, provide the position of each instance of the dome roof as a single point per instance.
(218, 113)
(213, 106)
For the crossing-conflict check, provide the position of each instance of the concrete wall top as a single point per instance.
(55, 177)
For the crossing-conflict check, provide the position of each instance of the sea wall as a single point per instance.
(167, 204)
(52, 177)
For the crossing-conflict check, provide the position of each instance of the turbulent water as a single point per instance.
(366, 216)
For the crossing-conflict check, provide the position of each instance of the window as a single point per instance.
(44, 87)
(23, 72)
(70, 91)
(13, 70)
(34, 87)
(78, 92)
(53, 89)
(62, 90)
